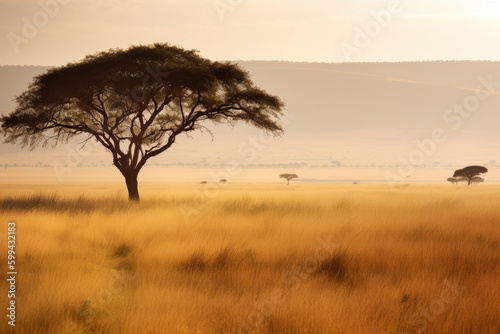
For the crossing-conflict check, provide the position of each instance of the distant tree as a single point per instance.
(469, 172)
(477, 179)
(452, 180)
(223, 181)
(203, 182)
(288, 177)
(336, 163)
(137, 102)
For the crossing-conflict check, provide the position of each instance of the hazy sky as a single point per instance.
(298, 30)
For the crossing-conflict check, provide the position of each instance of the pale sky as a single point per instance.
(294, 30)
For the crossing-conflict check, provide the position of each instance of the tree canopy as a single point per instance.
(288, 177)
(477, 179)
(136, 102)
(469, 172)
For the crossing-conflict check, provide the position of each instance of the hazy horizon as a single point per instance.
(365, 82)
(401, 104)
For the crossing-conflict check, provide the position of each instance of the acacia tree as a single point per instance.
(477, 179)
(469, 172)
(136, 102)
(452, 180)
(288, 177)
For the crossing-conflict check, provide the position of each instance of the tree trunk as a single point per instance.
(133, 187)
(287, 182)
(469, 181)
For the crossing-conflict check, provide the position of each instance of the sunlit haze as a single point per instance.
(364, 120)
(311, 31)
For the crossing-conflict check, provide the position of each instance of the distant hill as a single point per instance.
(355, 113)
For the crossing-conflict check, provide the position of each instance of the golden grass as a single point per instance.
(255, 259)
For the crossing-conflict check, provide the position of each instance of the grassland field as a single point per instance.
(243, 258)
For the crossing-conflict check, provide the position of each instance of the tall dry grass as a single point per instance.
(255, 258)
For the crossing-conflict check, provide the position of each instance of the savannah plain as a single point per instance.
(242, 258)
